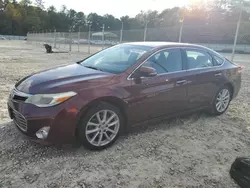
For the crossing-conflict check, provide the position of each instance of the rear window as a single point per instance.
(217, 60)
(198, 59)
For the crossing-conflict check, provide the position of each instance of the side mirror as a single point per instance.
(145, 71)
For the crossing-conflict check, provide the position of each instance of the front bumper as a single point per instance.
(61, 119)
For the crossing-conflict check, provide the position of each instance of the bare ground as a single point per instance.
(195, 151)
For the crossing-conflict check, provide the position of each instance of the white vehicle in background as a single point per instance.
(81, 41)
(2, 38)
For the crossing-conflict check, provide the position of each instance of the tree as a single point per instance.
(111, 23)
(19, 17)
(80, 21)
(169, 17)
(39, 3)
(95, 20)
(63, 9)
(125, 20)
(1, 6)
(25, 3)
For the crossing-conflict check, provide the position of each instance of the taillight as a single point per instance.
(240, 69)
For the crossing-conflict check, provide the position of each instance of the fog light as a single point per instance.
(43, 133)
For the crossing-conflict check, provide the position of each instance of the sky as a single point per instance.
(117, 8)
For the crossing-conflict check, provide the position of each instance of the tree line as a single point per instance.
(18, 18)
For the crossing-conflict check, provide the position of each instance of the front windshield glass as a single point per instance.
(116, 59)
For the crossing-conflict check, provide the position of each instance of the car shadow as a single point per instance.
(166, 123)
(29, 148)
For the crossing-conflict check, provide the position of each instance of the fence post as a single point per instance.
(145, 30)
(59, 43)
(79, 33)
(103, 29)
(42, 37)
(50, 38)
(236, 34)
(70, 41)
(38, 37)
(121, 33)
(55, 38)
(36, 34)
(89, 38)
(64, 36)
(181, 29)
(30, 37)
(45, 37)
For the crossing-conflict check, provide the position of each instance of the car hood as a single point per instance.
(61, 79)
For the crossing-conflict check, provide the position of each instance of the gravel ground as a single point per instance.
(194, 151)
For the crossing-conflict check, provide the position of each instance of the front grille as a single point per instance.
(20, 121)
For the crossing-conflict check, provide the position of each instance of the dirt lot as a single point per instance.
(193, 152)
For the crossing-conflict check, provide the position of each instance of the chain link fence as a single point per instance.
(12, 37)
(216, 36)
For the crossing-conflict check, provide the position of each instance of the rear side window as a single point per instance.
(218, 61)
(198, 59)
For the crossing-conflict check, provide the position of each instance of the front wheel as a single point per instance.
(221, 101)
(100, 127)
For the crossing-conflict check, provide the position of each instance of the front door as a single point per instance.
(162, 94)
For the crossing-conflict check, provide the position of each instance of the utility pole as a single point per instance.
(121, 35)
(181, 28)
(237, 33)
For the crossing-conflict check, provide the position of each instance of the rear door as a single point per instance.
(203, 77)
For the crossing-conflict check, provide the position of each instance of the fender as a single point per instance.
(92, 97)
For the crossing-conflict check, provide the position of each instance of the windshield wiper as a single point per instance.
(91, 67)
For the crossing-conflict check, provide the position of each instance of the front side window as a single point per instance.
(198, 59)
(166, 61)
(116, 59)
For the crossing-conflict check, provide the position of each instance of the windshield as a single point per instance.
(116, 59)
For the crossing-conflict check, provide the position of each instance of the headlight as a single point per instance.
(47, 100)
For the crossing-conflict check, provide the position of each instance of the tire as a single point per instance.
(240, 172)
(215, 110)
(93, 132)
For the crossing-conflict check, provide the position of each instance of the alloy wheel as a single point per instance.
(102, 128)
(222, 101)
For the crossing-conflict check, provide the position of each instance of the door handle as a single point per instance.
(218, 74)
(181, 82)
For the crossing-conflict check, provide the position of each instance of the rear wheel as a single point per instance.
(100, 127)
(221, 101)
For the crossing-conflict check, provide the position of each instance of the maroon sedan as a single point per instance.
(95, 99)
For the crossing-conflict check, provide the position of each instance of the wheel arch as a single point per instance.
(227, 84)
(231, 87)
(122, 105)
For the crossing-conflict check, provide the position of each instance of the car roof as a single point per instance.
(165, 44)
